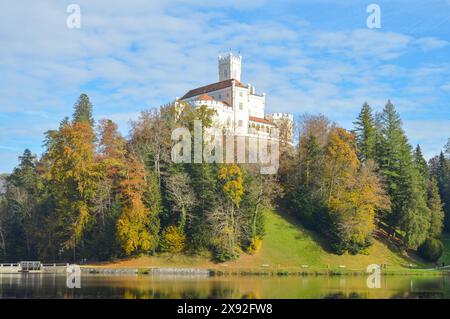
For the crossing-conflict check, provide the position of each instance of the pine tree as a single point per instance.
(443, 181)
(307, 181)
(422, 167)
(83, 110)
(390, 142)
(436, 211)
(365, 132)
(403, 181)
(21, 205)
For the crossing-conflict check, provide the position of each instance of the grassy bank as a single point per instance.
(288, 248)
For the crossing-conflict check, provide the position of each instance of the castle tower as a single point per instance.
(230, 67)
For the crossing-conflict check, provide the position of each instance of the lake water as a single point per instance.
(148, 286)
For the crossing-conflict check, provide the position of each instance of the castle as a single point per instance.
(238, 106)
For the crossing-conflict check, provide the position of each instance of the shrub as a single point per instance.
(431, 249)
(223, 253)
(255, 246)
(172, 240)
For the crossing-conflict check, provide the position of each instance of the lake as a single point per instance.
(154, 287)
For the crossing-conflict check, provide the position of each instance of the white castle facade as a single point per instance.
(238, 105)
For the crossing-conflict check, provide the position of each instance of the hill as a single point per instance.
(288, 246)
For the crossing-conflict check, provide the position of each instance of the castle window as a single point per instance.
(241, 123)
(240, 94)
(241, 106)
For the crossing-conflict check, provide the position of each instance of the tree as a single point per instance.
(403, 181)
(73, 176)
(101, 240)
(112, 163)
(354, 207)
(181, 196)
(340, 161)
(83, 110)
(431, 249)
(365, 132)
(354, 194)
(306, 191)
(414, 219)
(436, 211)
(21, 204)
(225, 218)
(422, 167)
(259, 193)
(442, 174)
(3, 216)
(172, 240)
(137, 226)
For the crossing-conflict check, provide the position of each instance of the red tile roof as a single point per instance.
(212, 87)
(205, 97)
(259, 120)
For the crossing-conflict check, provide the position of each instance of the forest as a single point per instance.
(94, 194)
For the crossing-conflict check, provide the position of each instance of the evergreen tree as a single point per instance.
(422, 167)
(365, 132)
(307, 192)
(436, 211)
(403, 181)
(443, 181)
(83, 110)
(21, 205)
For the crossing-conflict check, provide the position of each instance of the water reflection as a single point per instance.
(250, 287)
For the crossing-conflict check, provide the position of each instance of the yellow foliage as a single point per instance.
(234, 182)
(132, 228)
(255, 246)
(173, 240)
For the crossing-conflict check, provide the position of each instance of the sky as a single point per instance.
(311, 56)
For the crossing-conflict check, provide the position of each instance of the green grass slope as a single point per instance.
(288, 243)
(286, 246)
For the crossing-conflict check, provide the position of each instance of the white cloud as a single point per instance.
(430, 43)
(132, 55)
(363, 43)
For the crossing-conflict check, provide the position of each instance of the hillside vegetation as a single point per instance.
(286, 246)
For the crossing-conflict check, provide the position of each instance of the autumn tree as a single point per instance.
(73, 175)
(138, 225)
(225, 218)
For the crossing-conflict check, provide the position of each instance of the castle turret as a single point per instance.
(230, 67)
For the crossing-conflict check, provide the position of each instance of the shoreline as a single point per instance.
(206, 272)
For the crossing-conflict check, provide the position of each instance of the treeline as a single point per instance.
(353, 186)
(96, 195)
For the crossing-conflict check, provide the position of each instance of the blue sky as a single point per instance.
(308, 56)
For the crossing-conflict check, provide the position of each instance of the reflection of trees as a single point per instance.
(418, 295)
(342, 295)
